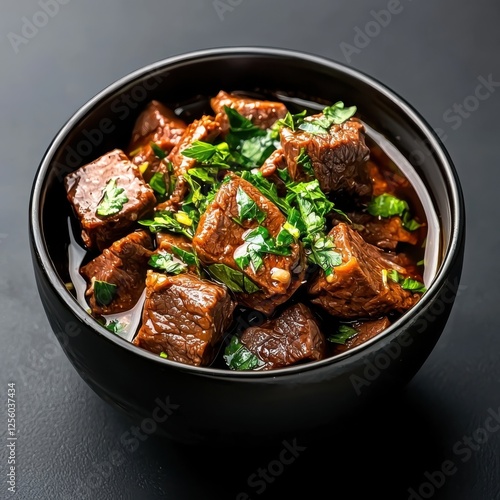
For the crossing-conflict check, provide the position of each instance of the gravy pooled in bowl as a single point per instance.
(254, 236)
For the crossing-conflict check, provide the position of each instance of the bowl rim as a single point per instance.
(434, 143)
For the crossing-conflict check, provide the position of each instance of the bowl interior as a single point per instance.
(185, 83)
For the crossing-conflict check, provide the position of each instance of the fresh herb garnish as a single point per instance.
(163, 355)
(258, 242)
(191, 259)
(235, 280)
(250, 145)
(409, 284)
(158, 152)
(209, 154)
(157, 182)
(305, 162)
(292, 121)
(267, 188)
(170, 221)
(387, 205)
(331, 115)
(320, 251)
(104, 292)
(247, 208)
(344, 333)
(115, 326)
(238, 357)
(165, 262)
(113, 199)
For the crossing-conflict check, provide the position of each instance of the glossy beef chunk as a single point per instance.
(205, 129)
(358, 288)
(218, 237)
(160, 125)
(261, 113)
(365, 330)
(338, 158)
(292, 337)
(124, 265)
(384, 233)
(184, 317)
(85, 190)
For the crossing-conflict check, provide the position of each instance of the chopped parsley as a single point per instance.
(158, 152)
(235, 280)
(166, 262)
(104, 292)
(305, 162)
(113, 199)
(209, 154)
(387, 205)
(164, 220)
(238, 357)
(344, 333)
(409, 284)
(247, 208)
(157, 182)
(292, 121)
(258, 242)
(163, 355)
(115, 326)
(331, 115)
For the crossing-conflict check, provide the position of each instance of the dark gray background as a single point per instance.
(432, 53)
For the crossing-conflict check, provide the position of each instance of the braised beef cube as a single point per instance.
(359, 287)
(160, 125)
(261, 113)
(219, 236)
(365, 330)
(205, 129)
(122, 267)
(85, 190)
(338, 158)
(167, 240)
(291, 338)
(384, 233)
(184, 317)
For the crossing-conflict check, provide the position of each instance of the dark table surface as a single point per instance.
(434, 53)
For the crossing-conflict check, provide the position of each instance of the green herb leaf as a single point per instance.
(292, 121)
(113, 199)
(305, 162)
(235, 280)
(165, 262)
(191, 259)
(267, 188)
(320, 251)
(239, 124)
(409, 223)
(344, 333)
(167, 221)
(209, 154)
(104, 292)
(409, 284)
(238, 357)
(163, 355)
(247, 208)
(331, 115)
(157, 182)
(258, 242)
(115, 326)
(387, 205)
(158, 152)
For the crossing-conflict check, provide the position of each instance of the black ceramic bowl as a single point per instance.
(207, 405)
